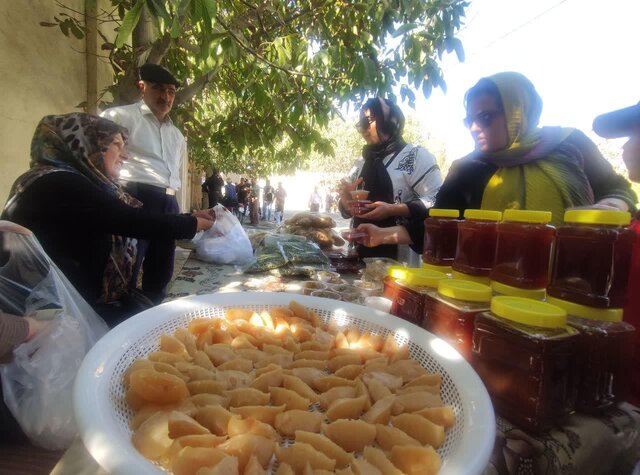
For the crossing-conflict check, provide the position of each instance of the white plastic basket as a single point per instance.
(103, 416)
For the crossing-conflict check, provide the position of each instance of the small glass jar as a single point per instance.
(605, 352)
(407, 288)
(523, 250)
(440, 236)
(477, 238)
(525, 353)
(592, 258)
(450, 311)
(503, 289)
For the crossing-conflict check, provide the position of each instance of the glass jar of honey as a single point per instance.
(476, 247)
(440, 236)
(592, 257)
(523, 249)
(525, 353)
(450, 311)
(406, 288)
(605, 352)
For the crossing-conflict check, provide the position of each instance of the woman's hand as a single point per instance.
(345, 188)
(35, 326)
(204, 224)
(381, 210)
(9, 227)
(205, 214)
(606, 204)
(377, 236)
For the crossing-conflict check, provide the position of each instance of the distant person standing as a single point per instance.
(281, 196)
(254, 203)
(243, 198)
(231, 197)
(152, 173)
(267, 201)
(213, 187)
(314, 201)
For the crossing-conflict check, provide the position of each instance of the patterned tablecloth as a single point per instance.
(608, 444)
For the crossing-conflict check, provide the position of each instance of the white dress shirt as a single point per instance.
(156, 149)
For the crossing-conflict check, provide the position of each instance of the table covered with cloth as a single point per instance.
(607, 444)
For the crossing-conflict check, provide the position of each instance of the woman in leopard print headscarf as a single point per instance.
(71, 200)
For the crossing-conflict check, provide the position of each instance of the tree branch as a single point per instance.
(186, 93)
(260, 57)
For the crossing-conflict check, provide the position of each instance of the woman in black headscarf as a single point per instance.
(71, 200)
(402, 179)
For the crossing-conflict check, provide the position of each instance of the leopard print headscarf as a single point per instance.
(75, 143)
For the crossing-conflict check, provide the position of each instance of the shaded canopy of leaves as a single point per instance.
(264, 78)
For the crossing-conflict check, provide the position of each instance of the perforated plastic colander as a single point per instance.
(103, 415)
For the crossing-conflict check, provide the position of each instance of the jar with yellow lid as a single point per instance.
(476, 247)
(523, 249)
(525, 353)
(592, 258)
(450, 311)
(605, 352)
(406, 288)
(440, 236)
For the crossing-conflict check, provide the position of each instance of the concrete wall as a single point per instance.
(41, 72)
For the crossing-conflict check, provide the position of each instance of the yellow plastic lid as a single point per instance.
(529, 312)
(464, 290)
(418, 277)
(444, 213)
(471, 278)
(597, 216)
(437, 268)
(526, 216)
(592, 313)
(483, 214)
(504, 289)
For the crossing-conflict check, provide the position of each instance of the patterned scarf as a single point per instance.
(540, 169)
(75, 143)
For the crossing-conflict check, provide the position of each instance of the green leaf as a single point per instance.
(427, 87)
(403, 29)
(181, 11)
(157, 8)
(128, 24)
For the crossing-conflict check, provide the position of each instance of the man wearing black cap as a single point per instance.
(152, 173)
(617, 124)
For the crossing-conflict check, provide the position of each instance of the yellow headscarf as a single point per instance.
(539, 170)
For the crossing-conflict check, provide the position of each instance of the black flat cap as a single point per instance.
(158, 74)
(618, 123)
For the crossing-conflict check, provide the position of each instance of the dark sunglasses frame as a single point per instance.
(482, 119)
(365, 122)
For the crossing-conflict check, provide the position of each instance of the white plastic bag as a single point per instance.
(225, 242)
(38, 384)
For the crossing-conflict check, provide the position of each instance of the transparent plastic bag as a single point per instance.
(38, 384)
(225, 242)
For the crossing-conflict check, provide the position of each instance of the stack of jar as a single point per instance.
(589, 281)
(588, 260)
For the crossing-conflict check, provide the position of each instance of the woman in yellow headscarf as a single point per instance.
(518, 165)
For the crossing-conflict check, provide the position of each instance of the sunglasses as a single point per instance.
(482, 119)
(365, 122)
